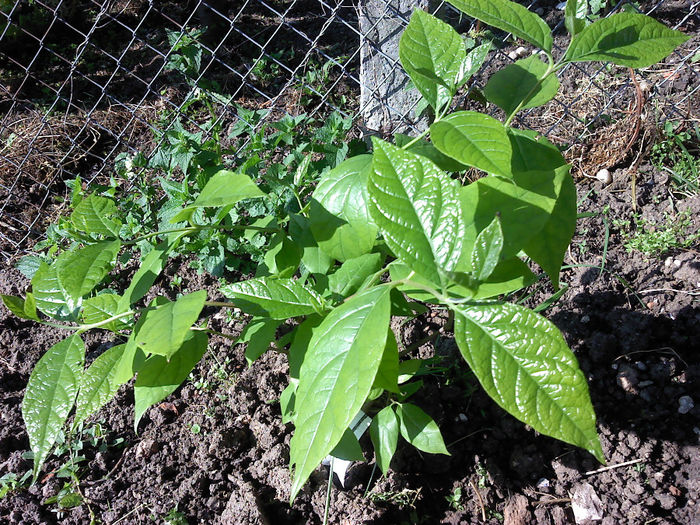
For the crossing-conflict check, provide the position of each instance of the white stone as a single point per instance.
(685, 404)
(604, 176)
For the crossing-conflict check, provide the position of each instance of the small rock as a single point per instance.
(604, 176)
(543, 484)
(146, 448)
(677, 263)
(516, 512)
(627, 379)
(585, 319)
(463, 418)
(640, 366)
(675, 491)
(586, 504)
(668, 262)
(644, 384)
(685, 404)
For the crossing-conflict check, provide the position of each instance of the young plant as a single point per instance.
(378, 228)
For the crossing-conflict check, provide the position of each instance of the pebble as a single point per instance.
(685, 404)
(644, 384)
(585, 319)
(677, 263)
(517, 53)
(640, 365)
(604, 176)
(668, 262)
(543, 484)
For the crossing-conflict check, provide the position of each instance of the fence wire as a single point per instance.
(82, 81)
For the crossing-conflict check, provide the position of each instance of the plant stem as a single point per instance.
(551, 68)
(84, 327)
(198, 227)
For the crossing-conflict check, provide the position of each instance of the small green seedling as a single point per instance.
(345, 256)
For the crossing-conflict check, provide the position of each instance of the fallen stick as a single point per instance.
(610, 467)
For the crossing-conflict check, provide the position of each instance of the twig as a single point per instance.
(666, 349)
(478, 497)
(656, 290)
(551, 501)
(610, 467)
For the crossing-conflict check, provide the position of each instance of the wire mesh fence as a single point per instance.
(85, 81)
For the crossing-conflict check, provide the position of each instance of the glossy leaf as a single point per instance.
(509, 276)
(426, 149)
(16, 305)
(625, 39)
(384, 433)
(273, 298)
(50, 395)
(524, 205)
(419, 429)
(532, 152)
(79, 271)
(300, 344)
(165, 327)
(473, 62)
(575, 16)
(519, 83)
(487, 250)
(257, 336)
(510, 17)
(474, 139)
(132, 360)
(336, 377)
(50, 297)
(433, 54)
(348, 448)
(388, 371)
(525, 365)
(282, 258)
(548, 248)
(96, 215)
(416, 207)
(101, 307)
(98, 384)
(340, 220)
(314, 258)
(225, 188)
(148, 272)
(159, 377)
(347, 279)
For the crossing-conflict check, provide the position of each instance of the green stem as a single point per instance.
(198, 227)
(219, 304)
(551, 68)
(84, 327)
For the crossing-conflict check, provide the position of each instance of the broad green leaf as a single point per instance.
(273, 298)
(340, 220)
(166, 326)
(314, 259)
(79, 271)
(519, 83)
(426, 149)
(50, 297)
(532, 152)
(408, 369)
(548, 249)
(524, 204)
(336, 377)
(419, 429)
(18, 306)
(384, 433)
(474, 139)
(575, 16)
(625, 39)
(287, 399)
(472, 63)
(487, 250)
(96, 215)
(147, 273)
(300, 344)
(257, 335)
(509, 276)
(159, 377)
(50, 395)
(416, 207)
(388, 371)
(225, 188)
(132, 360)
(399, 272)
(347, 279)
(525, 365)
(432, 53)
(348, 448)
(98, 384)
(510, 17)
(282, 258)
(28, 265)
(102, 307)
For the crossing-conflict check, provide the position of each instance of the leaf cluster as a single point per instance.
(382, 234)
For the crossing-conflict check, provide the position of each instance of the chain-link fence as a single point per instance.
(82, 81)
